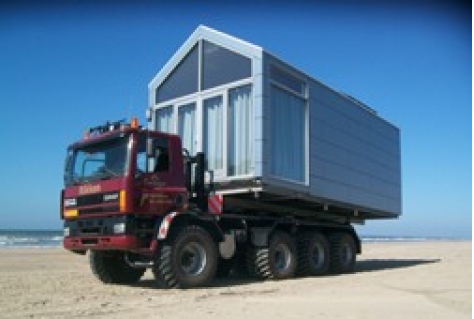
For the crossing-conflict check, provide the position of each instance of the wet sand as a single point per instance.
(393, 280)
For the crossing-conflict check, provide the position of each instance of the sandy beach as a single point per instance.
(393, 280)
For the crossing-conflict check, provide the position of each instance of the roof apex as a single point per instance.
(203, 32)
(207, 33)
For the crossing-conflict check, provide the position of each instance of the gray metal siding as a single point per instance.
(354, 154)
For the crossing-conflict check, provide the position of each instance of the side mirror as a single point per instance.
(148, 114)
(150, 147)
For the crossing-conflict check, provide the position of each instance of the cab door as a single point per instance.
(159, 180)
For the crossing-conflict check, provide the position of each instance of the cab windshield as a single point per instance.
(97, 161)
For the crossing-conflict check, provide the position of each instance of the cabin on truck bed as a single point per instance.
(275, 138)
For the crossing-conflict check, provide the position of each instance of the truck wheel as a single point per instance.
(188, 259)
(282, 256)
(257, 259)
(343, 253)
(110, 268)
(277, 261)
(313, 254)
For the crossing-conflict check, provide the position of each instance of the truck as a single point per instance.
(130, 201)
(256, 169)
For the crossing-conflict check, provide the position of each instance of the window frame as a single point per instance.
(304, 96)
(196, 49)
(220, 173)
(202, 67)
(195, 138)
(198, 98)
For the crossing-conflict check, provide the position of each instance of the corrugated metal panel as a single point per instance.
(354, 153)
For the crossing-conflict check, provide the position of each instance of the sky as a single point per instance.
(66, 67)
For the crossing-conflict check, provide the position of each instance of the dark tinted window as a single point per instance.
(183, 79)
(98, 161)
(287, 80)
(222, 66)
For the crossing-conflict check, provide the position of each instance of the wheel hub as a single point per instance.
(317, 255)
(346, 254)
(193, 259)
(282, 257)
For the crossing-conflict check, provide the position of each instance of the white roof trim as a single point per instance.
(202, 32)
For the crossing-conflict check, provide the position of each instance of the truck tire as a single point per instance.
(282, 256)
(343, 253)
(188, 259)
(313, 254)
(277, 261)
(257, 262)
(110, 268)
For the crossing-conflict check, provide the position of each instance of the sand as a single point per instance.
(394, 280)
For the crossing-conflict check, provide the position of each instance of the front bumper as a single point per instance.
(108, 233)
(115, 242)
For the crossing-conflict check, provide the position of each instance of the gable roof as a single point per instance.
(205, 33)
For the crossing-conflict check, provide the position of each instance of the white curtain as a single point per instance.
(288, 131)
(164, 119)
(187, 126)
(240, 130)
(213, 133)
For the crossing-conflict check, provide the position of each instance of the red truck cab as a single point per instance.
(120, 181)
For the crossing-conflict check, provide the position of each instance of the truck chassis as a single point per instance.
(190, 249)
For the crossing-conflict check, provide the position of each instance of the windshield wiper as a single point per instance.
(111, 173)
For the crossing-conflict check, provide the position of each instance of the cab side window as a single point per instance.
(153, 154)
(162, 160)
(141, 161)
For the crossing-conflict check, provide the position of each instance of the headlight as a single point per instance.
(111, 197)
(119, 228)
(66, 232)
(68, 202)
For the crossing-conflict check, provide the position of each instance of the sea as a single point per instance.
(54, 239)
(30, 238)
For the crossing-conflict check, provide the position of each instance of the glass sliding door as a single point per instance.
(187, 126)
(219, 124)
(213, 133)
(240, 131)
(287, 145)
(164, 119)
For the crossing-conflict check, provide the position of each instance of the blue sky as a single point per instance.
(66, 67)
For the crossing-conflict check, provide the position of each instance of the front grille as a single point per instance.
(99, 226)
(94, 199)
(98, 210)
